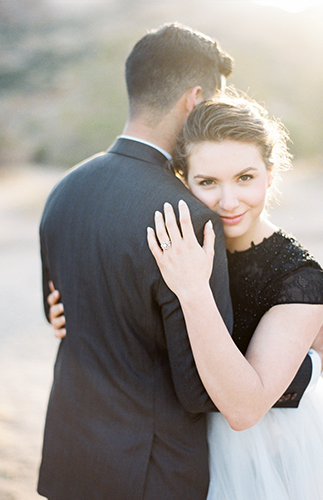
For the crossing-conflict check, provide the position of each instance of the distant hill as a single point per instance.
(62, 92)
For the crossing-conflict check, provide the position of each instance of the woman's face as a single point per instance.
(230, 177)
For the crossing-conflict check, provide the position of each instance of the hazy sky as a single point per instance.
(290, 5)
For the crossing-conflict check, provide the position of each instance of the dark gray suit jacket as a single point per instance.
(126, 416)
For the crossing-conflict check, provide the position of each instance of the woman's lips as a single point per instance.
(232, 219)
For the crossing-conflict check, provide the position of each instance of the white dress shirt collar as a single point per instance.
(161, 150)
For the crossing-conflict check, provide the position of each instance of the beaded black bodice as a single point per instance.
(277, 271)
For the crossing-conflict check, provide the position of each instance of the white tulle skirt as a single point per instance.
(280, 458)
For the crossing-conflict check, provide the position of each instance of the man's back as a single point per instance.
(124, 419)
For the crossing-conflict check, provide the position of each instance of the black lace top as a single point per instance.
(277, 271)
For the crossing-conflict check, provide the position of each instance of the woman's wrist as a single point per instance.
(196, 294)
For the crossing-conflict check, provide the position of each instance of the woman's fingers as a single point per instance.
(209, 237)
(58, 322)
(161, 231)
(168, 233)
(54, 296)
(171, 224)
(186, 221)
(167, 230)
(188, 229)
(61, 333)
(153, 244)
(55, 311)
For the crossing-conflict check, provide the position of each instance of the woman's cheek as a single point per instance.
(207, 197)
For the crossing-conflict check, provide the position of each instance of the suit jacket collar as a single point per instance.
(138, 150)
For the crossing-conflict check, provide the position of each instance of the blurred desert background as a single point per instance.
(62, 99)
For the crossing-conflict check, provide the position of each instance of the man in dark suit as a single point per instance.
(126, 416)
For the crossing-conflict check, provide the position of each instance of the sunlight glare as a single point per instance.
(291, 5)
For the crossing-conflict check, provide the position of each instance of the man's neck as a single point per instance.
(158, 128)
(154, 136)
(162, 133)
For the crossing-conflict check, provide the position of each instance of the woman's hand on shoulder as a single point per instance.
(184, 264)
(56, 312)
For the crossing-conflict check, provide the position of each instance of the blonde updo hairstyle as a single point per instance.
(235, 117)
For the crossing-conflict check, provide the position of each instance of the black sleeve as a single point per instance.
(302, 286)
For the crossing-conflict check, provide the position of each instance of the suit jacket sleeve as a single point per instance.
(291, 398)
(188, 385)
(45, 277)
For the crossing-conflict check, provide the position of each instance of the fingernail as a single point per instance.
(167, 205)
(181, 202)
(149, 229)
(210, 224)
(157, 213)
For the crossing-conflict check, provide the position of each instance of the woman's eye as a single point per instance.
(245, 177)
(206, 182)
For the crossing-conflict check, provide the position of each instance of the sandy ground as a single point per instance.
(28, 346)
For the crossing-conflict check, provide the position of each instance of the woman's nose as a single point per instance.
(228, 199)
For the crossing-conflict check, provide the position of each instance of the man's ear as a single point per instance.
(193, 97)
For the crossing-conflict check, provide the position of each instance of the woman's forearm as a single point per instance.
(245, 388)
(232, 383)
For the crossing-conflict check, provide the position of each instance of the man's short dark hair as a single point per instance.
(167, 62)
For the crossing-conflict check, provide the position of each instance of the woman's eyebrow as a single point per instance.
(213, 178)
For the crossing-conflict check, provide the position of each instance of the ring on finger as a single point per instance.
(165, 244)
